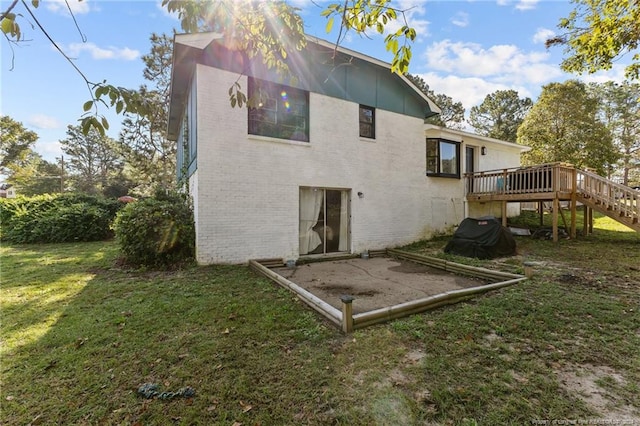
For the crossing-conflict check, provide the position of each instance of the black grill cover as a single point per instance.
(483, 238)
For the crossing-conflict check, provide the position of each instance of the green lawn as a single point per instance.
(80, 335)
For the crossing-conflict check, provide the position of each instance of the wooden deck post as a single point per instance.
(574, 202)
(347, 313)
(554, 218)
(504, 213)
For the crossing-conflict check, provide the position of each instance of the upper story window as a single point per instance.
(367, 122)
(443, 158)
(282, 111)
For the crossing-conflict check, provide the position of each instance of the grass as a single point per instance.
(80, 335)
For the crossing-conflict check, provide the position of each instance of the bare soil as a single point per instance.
(376, 282)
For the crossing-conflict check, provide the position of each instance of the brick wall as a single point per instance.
(247, 187)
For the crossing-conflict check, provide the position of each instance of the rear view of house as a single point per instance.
(335, 163)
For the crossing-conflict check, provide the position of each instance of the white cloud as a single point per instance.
(470, 91)
(519, 4)
(505, 63)
(49, 149)
(526, 4)
(543, 34)
(616, 74)
(127, 54)
(414, 12)
(60, 7)
(461, 19)
(165, 12)
(42, 121)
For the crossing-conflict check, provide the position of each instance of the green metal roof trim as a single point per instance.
(319, 68)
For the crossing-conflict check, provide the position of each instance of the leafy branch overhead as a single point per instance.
(107, 95)
(265, 30)
(598, 33)
(269, 31)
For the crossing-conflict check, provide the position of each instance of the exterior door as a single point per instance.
(469, 164)
(324, 221)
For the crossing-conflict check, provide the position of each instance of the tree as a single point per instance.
(41, 177)
(150, 156)
(264, 30)
(563, 126)
(500, 114)
(620, 111)
(93, 160)
(599, 32)
(15, 145)
(452, 115)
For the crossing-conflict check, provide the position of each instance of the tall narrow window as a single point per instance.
(367, 122)
(282, 111)
(443, 158)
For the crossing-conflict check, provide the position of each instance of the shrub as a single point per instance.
(156, 232)
(57, 218)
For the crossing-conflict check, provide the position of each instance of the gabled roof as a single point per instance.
(364, 79)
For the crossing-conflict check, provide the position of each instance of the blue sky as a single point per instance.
(464, 49)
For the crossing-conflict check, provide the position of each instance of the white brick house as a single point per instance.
(336, 164)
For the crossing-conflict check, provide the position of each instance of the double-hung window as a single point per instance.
(443, 158)
(367, 122)
(281, 112)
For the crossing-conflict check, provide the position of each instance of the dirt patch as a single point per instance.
(375, 283)
(584, 382)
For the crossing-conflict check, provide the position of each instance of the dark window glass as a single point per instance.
(282, 111)
(367, 122)
(443, 158)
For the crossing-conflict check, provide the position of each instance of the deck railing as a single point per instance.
(544, 178)
(610, 195)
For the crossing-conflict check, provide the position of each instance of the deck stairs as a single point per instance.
(559, 182)
(614, 200)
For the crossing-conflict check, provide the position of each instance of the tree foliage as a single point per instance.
(620, 111)
(563, 126)
(16, 143)
(149, 155)
(92, 160)
(500, 114)
(265, 30)
(599, 32)
(452, 115)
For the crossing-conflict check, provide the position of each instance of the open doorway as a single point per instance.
(324, 221)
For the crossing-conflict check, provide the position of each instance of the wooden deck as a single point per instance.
(554, 183)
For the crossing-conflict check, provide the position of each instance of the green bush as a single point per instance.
(156, 232)
(57, 218)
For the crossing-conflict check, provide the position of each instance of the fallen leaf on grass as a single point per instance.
(236, 424)
(245, 407)
(212, 408)
(226, 331)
